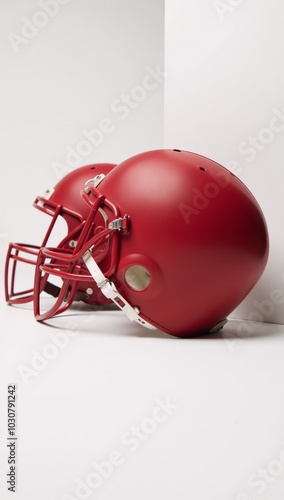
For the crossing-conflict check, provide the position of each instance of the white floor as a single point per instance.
(107, 410)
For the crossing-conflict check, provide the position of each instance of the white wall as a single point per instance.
(224, 98)
(65, 66)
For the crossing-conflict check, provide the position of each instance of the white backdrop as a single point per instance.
(105, 409)
(224, 98)
(85, 83)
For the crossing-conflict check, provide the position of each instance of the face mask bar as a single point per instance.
(68, 265)
(71, 267)
(27, 254)
(18, 252)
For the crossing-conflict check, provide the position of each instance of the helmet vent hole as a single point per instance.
(137, 277)
(92, 168)
(202, 168)
(178, 150)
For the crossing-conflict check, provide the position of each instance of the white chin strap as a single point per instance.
(109, 290)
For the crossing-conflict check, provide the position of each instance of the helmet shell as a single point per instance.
(196, 232)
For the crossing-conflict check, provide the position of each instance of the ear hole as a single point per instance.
(137, 277)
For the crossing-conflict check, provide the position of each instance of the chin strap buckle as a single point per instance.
(120, 224)
(93, 182)
(109, 290)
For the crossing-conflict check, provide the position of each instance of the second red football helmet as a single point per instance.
(63, 202)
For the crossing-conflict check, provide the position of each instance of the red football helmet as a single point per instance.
(184, 242)
(64, 201)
